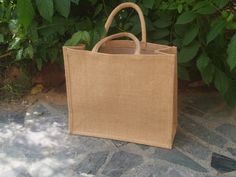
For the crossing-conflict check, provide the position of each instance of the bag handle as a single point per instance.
(124, 6)
(118, 35)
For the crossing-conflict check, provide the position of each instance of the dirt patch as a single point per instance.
(55, 95)
(51, 76)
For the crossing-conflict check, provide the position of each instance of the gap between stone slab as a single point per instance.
(109, 156)
(194, 108)
(211, 147)
(199, 161)
(181, 167)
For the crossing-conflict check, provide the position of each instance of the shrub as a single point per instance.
(33, 31)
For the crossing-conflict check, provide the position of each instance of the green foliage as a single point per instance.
(46, 8)
(187, 53)
(33, 31)
(25, 12)
(79, 37)
(221, 82)
(63, 7)
(206, 68)
(186, 17)
(190, 35)
(148, 3)
(183, 73)
(215, 30)
(13, 89)
(1, 38)
(232, 53)
(205, 8)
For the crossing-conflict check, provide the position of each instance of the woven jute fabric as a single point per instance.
(123, 89)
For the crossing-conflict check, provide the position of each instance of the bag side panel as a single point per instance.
(68, 88)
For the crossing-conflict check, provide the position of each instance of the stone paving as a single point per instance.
(35, 143)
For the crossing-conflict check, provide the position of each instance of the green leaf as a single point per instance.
(221, 3)
(75, 1)
(200, 4)
(180, 30)
(177, 42)
(208, 73)
(25, 12)
(190, 35)
(85, 37)
(72, 41)
(39, 63)
(148, 3)
(15, 44)
(206, 68)
(202, 62)
(135, 29)
(205, 8)
(230, 95)
(29, 52)
(1, 38)
(188, 53)
(45, 8)
(186, 17)
(163, 42)
(231, 25)
(95, 38)
(230, 17)
(53, 54)
(85, 24)
(159, 34)
(231, 51)
(93, 2)
(183, 73)
(221, 82)
(63, 7)
(215, 30)
(13, 26)
(33, 30)
(144, 9)
(80, 36)
(98, 10)
(149, 25)
(160, 23)
(180, 8)
(19, 54)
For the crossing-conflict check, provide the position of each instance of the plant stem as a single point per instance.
(5, 55)
(104, 6)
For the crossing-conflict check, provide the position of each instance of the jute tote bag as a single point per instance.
(123, 89)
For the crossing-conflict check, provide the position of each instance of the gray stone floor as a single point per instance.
(35, 143)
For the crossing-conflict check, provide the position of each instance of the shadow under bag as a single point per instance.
(123, 89)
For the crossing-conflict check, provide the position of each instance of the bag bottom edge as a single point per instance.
(154, 144)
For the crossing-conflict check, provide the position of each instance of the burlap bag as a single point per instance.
(123, 89)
